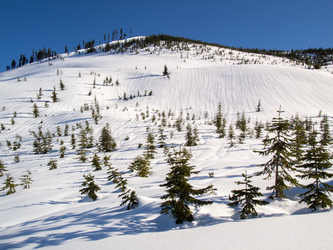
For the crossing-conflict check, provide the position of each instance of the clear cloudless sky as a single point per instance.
(294, 24)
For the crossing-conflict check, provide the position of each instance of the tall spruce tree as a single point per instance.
(245, 197)
(281, 164)
(180, 194)
(315, 163)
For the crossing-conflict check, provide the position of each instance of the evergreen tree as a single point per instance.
(326, 138)
(106, 141)
(2, 168)
(54, 96)
(191, 138)
(61, 85)
(258, 127)
(220, 122)
(161, 137)
(113, 174)
(121, 183)
(316, 162)
(73, 141)
(165, 71)
(231, 135)
(245, 197)
(26, 180)
(150, 150)
(141, 165)
(90, 188)
(96, 162)
(9, 184)
(53, 164)
(281, 163)
(106, 161)
(299, 139)
(35, 111)
(180, 194)
(43, 142)
(129, 197)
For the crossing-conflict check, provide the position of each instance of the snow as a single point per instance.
(53, 214)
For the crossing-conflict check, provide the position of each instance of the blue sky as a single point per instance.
(34, 24)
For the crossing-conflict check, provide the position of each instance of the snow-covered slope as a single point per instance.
(52, 213)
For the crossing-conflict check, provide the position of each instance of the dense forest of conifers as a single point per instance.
(312, 56)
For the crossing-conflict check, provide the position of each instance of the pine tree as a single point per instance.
(150, 150)
(96, 162)
(165, 71)
(161, 137)
(121, 183)
(90, 187)
(299, 139)
(61, 85)
(106, 161)
(141, 165)
(258, 127)
(54, 95)
(281, 163)
(35, 111)
(73, 141)
(9, 184)
(316, 162)
(231, 135)
(326, 138)
(26, 180)
(53, 164)
(220, 122)
(106, 141)
(129, 197)
(245, 197)
(113, 174)
(180, 194)
(83, 144)
(2, 168)
(191, 138)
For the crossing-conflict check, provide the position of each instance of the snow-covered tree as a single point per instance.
(246, 197)
(180, 194)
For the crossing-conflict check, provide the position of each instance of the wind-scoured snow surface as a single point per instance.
(53, 213)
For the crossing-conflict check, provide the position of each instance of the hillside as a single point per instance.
(53, 213)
